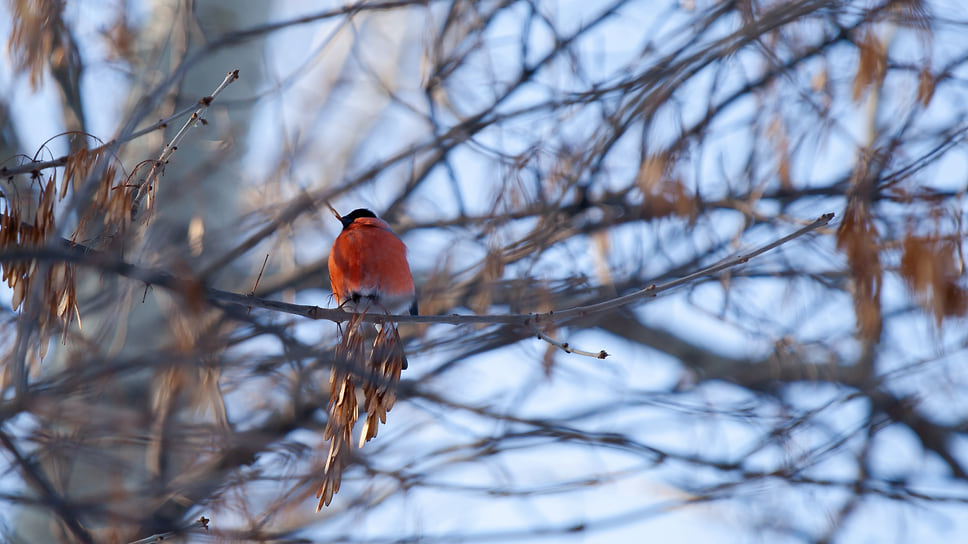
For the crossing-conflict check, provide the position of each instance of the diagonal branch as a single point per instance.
(79, 254)
(653, 290)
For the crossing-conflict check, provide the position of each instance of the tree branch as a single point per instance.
(80, 254)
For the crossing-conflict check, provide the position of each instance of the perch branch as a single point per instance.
(76, 253)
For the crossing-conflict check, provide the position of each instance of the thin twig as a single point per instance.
(200, 523)
(564, 346)
(148, 186)
(259, 278)
(37, 166)
(653, 290)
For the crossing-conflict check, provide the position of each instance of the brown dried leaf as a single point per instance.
(926, 85)
(32, 38)
(857, 237)
(669, 198)
(336, 461)
(778, 135)
(44, 219)
(121, 38)
(871, 65)
(491, 272)
(548, 361)
(343, 409)
(651, 172)
(19, 292)
(929, 266)
(42, 348)
(76, 168)
(386, 362)
(664, 194)
(819, 80)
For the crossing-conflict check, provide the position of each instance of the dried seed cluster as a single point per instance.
(378, 375)
(28, 224)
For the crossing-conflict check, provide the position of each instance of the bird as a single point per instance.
(368, 266)
(368, 270)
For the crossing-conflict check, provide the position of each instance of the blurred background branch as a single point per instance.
(536, 157)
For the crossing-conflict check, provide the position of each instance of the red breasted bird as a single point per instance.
(369, 272)
(368, 266)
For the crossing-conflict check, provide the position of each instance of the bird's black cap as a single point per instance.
(352, 216)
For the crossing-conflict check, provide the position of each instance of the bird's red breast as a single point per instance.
(368, 266)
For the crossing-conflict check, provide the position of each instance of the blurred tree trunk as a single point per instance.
(128, 484)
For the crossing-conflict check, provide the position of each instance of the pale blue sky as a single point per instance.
(509, 380)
